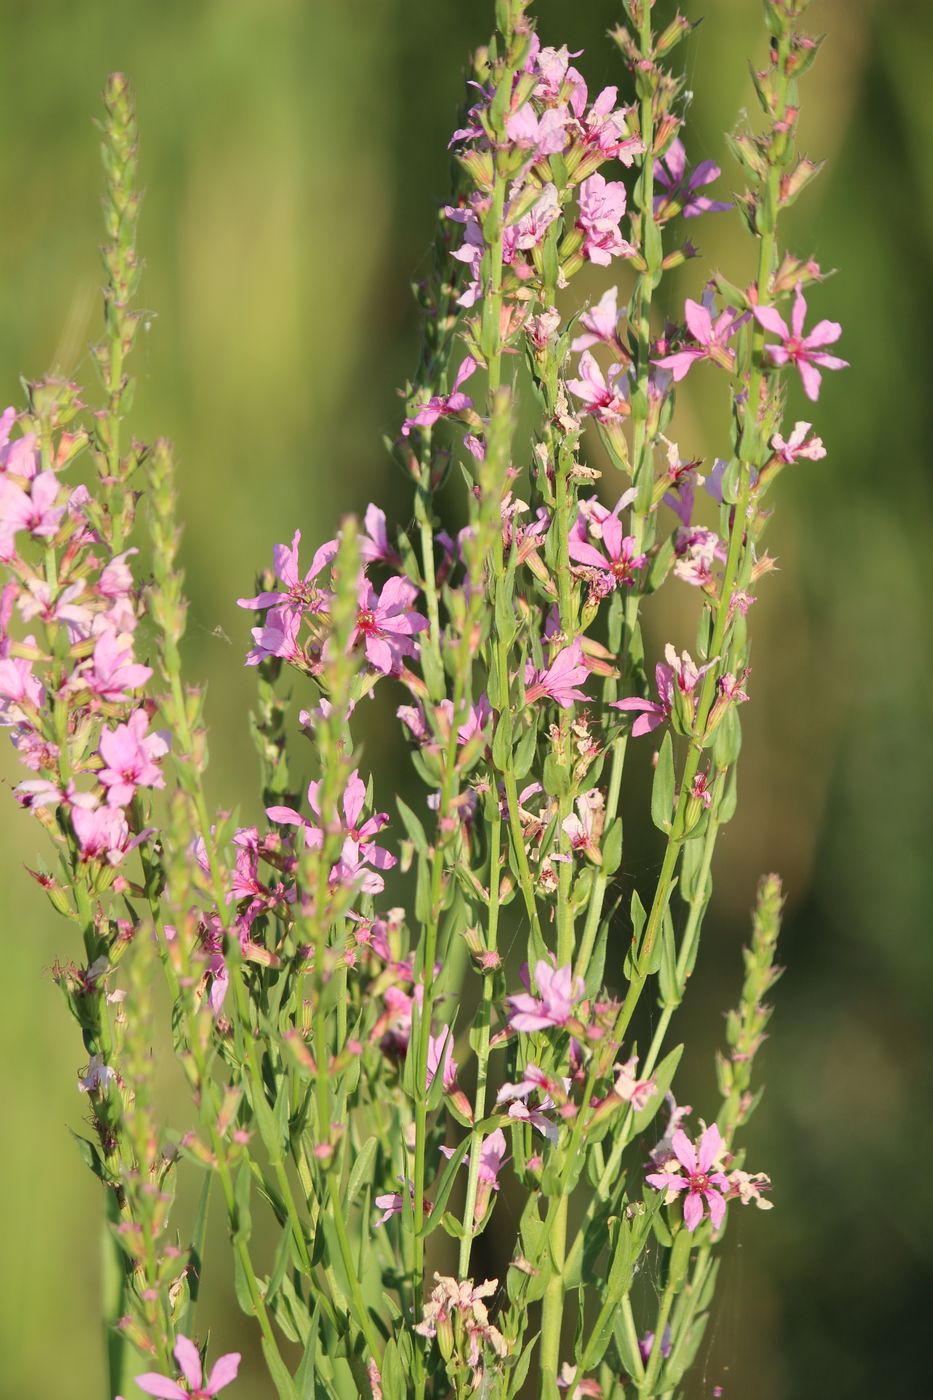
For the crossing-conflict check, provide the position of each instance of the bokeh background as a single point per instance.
(293, 154)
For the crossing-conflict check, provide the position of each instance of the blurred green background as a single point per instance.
(293, 155)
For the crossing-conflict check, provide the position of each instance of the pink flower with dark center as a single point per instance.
(130, 753)
(300, 595)
(600, 323)
(604, 129)
(444, 405)
(679, 185)
(605, 398)
(34, 511)
(711, 340)
(113, 673)
(804, 351)
(561, 680)
(56, 605)
(602, 205)
(798, 445)
(705, 1186)
(386, 624)
(558, 994)
(620, 563)
(189, 1363)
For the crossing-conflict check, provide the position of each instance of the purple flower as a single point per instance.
(806, 352)
(697, 550)
(704, 1186)
(299, 594)
(129, 755)
(561, 680)
(444, 405)
(679, 185)
(387, 624)
(710, 336)
(602, 204)
(559, 992)
(604, 400)
(492, 1155)
(189, 1363)
(374, 540)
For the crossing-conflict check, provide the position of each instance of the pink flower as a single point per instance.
(533, 1081)
(604, 400)
(798, 446)
(542, 136)
(102, 833)
(492, 1156)
(374, 539)
(631, 1089)
(359, 850)
(34, 511)
(679, 184)
(113, 672)
(299, 594)
(704, 1187)
(129, 755)
(806, 352)
(441, 1057)
(697, 550)
(559, 992)
(530, 229)
(386, 624)
(599, 323)
(710, 336)
(18, 688)
(682, 669)
(561, 680)
(443, 405)
(620, 563)
(17, 458)
(189, 1363)
(605, 130)
(97, 1076)
(602, 204)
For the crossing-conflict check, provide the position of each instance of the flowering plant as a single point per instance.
(367, 1073)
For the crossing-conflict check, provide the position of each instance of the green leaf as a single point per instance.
(662, 789)
(444, 1186)
(413, 826)
(663, 1077)
(360, 1170)
(612, 847)
(279, 1373)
